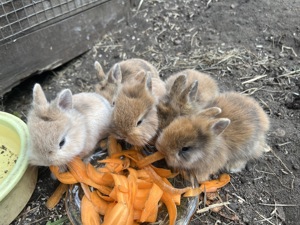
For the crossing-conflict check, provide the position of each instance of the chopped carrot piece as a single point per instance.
(142, 174)
(56, 196)
(113, 194)
(150, 159)
(111, 160)
(86, 190)
(144, 184)
(153, 215)
(110, 207)
(141, 198)
(113, 146)
(170, 204)
(104, 197)
(121, 182)
(116, 165)
(98, 177)
(137, 215)
(99, 203)
(78, 170)
(176, 197)
(152, 202)
(89, 216)
(209, 186)
(163, 172)
(65, 177)
(117, 215)
(165, 187)
(224, 178)
(132, 185)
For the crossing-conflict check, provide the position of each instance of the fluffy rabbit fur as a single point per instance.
(110, 83)
(134, 117)
(68, 126)
(207, 90)
(224, 136)
(188, 92)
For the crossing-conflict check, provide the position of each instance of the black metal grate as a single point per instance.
(19, 17)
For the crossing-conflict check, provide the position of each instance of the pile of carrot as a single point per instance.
(127, 189)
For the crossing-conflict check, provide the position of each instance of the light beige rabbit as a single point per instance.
(68, 126)
(188, 92)
(110, 83)
(225, 136)
(134, 117)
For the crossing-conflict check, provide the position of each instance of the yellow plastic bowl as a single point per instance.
(17, 180)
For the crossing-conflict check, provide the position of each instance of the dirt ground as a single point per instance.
(251, 47)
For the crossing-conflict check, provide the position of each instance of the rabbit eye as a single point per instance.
(62, 142)
(139, 122)
(183, 152)
(185, 149)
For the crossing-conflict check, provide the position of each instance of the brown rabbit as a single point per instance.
(214, 139)
(207, 90)
(110, 83)
(188, 92)
(134, 117)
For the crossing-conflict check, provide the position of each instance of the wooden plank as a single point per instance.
(54, 45)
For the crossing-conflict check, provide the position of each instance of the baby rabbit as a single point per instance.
(188, 92)
(207, 90)
(110, 83)
(68, 126)
(134, 117)
(224, 136)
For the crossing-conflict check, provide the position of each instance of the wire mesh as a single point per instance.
(19, 17)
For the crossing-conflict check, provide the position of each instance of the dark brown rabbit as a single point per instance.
(224, 136)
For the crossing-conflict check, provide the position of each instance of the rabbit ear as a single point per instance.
(149, 74)
(148, 83)
(39, 97)
(65, 99)
(98, 67)
(213, 111)
(116, 74)
(144, 78)
(192, 90)
(140, 75)
(189, 94)
(219, 125)
(178, 85)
